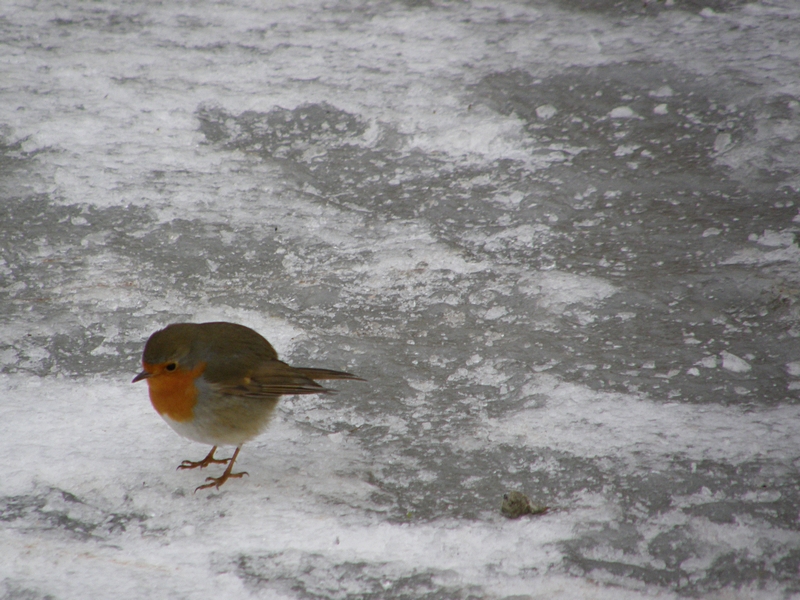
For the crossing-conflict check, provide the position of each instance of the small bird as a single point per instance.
(516, 504)
(218, 383)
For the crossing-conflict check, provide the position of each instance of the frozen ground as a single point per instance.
(558, 239)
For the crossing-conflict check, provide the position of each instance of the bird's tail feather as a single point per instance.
(326, 374)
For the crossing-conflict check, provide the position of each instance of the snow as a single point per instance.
(558, 241)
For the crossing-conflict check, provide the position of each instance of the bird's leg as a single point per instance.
(188, 464)
(218, 481)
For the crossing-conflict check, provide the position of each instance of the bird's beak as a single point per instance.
(140, 376)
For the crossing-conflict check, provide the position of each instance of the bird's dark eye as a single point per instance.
(171, 366)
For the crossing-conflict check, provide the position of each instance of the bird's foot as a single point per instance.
(189, 464)
(218, 481)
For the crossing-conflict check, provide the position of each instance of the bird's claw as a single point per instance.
(209, 459)
(218, 481)
(190, 464)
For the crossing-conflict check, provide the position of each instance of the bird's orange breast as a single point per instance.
(174, 393)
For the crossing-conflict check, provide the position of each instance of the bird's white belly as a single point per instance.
(228, 421)
(190, 430)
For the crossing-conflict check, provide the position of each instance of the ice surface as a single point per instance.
(559, 240)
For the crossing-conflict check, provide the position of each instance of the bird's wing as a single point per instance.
(275, 378)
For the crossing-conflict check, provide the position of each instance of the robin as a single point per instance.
(218, 383)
